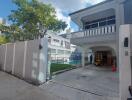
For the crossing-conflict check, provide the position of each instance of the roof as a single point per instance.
(106, 1)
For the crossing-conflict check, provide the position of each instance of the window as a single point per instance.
(94, 25)
(110, 22)
(49, 40)
(87, 27)
(61, 43)
(55, 40)
(51, 50)
(67, 45)
(102, 22)
(67, 52)
(60, 51)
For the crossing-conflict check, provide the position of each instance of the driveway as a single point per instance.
(85, 84)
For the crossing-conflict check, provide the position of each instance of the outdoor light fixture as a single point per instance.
(40, 46)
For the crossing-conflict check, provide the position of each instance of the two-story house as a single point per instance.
(99, 30)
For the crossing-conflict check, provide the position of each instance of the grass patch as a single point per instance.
(59, 67)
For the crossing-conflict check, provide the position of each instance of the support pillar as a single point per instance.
(125, 61)
(83, 59)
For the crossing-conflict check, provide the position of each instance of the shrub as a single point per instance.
(3, 40)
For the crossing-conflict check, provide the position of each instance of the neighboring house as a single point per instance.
(99, 30)
(2, 21)
(76, 51)
(59, 48)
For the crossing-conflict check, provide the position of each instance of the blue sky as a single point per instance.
(5, 8)
(63, 8)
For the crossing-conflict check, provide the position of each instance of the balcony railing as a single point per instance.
(105, 30)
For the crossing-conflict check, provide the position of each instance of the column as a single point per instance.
(83, 57)
(124, 61)
(93, 53)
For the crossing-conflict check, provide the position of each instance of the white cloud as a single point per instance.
(60, 16)
(93, 1)
(69, 6)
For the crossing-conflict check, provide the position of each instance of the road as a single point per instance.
(12, 88)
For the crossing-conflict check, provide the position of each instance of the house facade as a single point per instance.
(99, 30)
(2, 21)
(61, 50)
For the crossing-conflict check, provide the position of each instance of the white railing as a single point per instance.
(105, 30)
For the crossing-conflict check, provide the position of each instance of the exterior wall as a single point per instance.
(128, 11)
(125, 61)
(26, 60)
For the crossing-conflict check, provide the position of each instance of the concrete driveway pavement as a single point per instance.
(85, 84)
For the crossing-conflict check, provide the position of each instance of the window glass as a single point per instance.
(55, 40)
(53, 50)
(60, 51)
(67, 45)
(111, 22)
(67, 52)
(94, 25)
(61, 43)
(102, 23)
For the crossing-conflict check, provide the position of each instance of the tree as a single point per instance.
(32, 19)
(11, 33)
(3, 39)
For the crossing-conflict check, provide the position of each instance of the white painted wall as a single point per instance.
(124, 62)
(26, 60)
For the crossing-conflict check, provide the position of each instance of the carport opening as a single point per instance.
(101, 57)
(104, 58)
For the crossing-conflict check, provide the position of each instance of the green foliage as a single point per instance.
(32, 19)
(3, 40)
(59, 67)
(11, 32)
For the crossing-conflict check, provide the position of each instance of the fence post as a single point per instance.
(5, 57)
(13, 65)
(24, 61)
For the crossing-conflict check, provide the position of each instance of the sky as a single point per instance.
(63, 8)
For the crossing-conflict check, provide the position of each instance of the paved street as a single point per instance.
(12, 88)
(85, 84)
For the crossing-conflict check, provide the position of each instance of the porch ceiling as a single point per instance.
(99, 15)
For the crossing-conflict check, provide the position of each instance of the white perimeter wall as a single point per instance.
(25, 60)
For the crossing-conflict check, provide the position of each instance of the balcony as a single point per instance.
(94, 35)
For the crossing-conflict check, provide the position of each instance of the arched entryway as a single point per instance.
(100, 56)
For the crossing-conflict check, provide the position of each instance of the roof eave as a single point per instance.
(106, 1)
